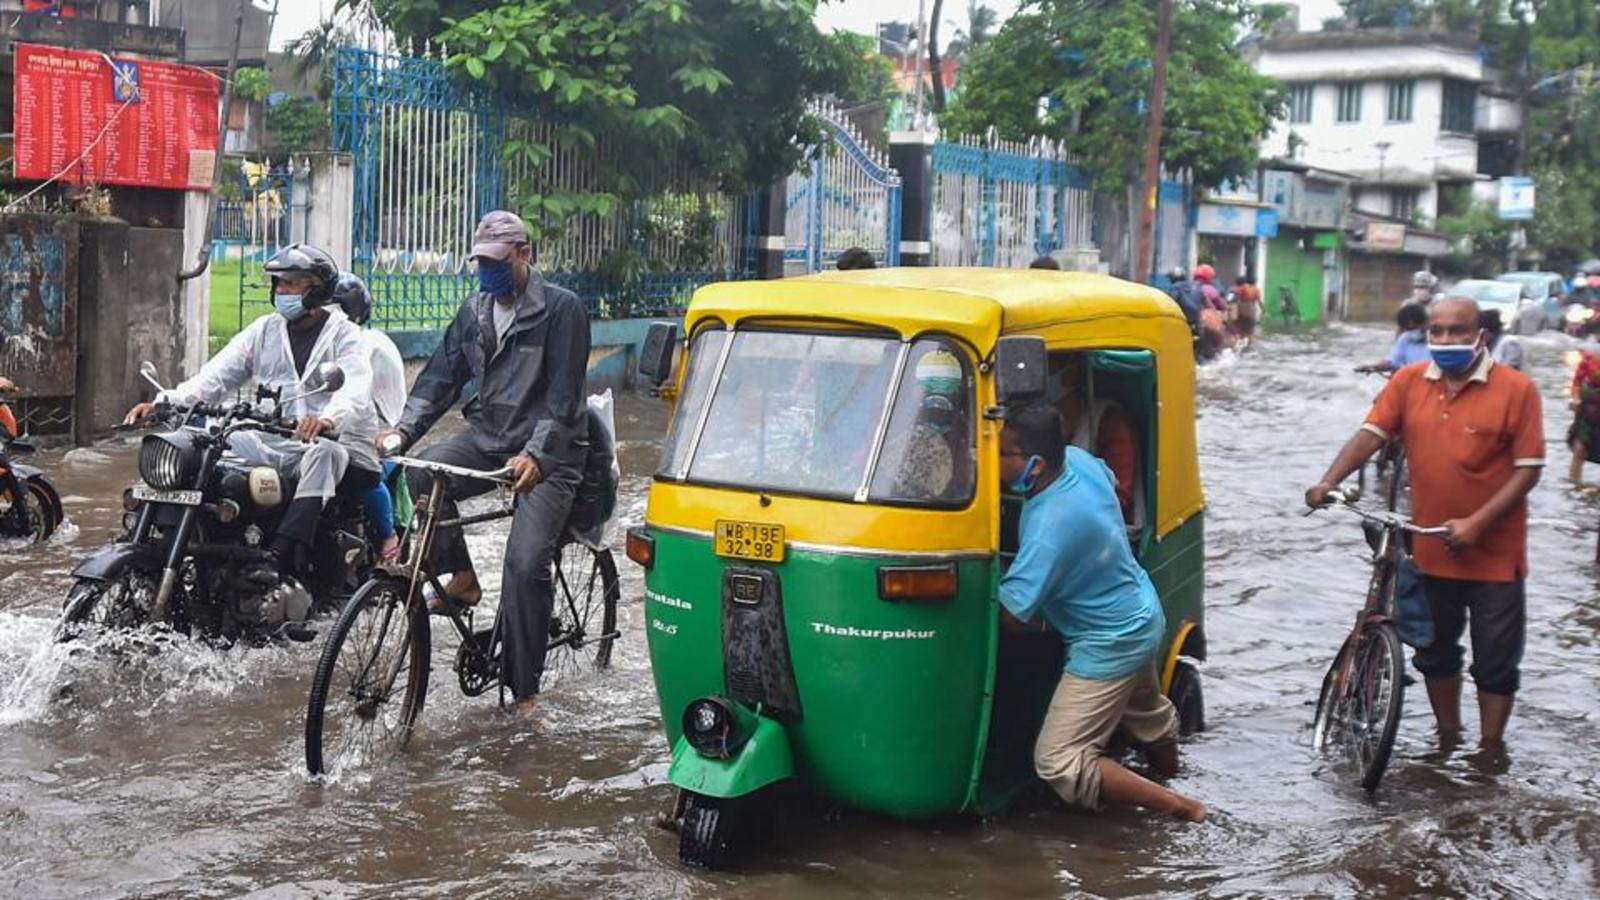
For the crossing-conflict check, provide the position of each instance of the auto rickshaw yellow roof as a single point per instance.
(977, 304)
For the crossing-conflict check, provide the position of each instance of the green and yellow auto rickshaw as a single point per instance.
(826, 530)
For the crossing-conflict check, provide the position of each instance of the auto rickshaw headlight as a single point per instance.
(717, 727)
(641, 546)
(917, 582)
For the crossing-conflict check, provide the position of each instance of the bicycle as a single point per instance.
(1359, 705)
(1389, 465)
(372, 677)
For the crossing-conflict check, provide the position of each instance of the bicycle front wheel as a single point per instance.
(1375, 695)
(371, 680)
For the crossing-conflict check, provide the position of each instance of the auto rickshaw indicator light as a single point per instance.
(917, 582)
(641, 547)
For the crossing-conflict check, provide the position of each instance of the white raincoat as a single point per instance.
(262, 352)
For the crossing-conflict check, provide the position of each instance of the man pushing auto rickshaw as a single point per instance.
(1106, 611)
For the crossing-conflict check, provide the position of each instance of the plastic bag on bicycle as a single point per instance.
(1413, 618)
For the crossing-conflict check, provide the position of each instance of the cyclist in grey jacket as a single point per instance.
(525, 344)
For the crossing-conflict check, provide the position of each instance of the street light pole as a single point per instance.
(1144, 259)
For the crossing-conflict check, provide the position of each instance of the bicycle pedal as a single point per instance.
(300, 634)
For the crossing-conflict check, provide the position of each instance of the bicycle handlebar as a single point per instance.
(1346, 500)
(499, 476)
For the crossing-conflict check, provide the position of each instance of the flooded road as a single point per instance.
(180, 773)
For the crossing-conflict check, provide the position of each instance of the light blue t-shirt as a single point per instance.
(1074, 565)
(1410, 347)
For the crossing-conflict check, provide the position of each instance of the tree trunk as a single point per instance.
(933, 57)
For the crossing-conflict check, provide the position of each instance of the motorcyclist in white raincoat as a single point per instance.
(283, 350)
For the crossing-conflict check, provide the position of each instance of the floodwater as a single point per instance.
(179, 772)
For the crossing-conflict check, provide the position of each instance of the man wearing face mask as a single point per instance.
(1075, 570)
(282, 350)
(1474, 440)
(525, 344)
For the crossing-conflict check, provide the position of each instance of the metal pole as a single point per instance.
(922, 45)
(222, 142)
(1144, 259)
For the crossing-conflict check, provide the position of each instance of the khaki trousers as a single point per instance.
(1083, 716)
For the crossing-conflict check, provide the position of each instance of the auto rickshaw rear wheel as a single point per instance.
(1185, 694)
(705, 837)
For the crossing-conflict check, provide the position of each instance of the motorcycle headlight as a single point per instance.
(168, 461)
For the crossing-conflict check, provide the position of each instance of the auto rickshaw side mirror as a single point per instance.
(1020, 367)
(655, 358)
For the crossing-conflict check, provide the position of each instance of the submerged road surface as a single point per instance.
(179, 772)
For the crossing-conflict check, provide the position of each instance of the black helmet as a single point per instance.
(351, 293)
(308, 262)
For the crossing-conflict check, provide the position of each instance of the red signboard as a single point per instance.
(79, 116)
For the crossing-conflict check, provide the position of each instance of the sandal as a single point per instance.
(445, 604)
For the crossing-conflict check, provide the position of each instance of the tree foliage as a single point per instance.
(1090, 61)
(298, 125)
(719, 84)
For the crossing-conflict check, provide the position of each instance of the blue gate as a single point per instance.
(847, 196)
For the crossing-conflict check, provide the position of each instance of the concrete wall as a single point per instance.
(196, 291)
(330, 216)
(130, 309)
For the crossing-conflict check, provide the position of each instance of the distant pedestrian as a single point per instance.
(1410, 342)
(1045, 262)
(1505, 348)
(1246, 309)
(1583, 437)
(856, 258)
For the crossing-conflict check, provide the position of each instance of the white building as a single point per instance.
(1412, 113)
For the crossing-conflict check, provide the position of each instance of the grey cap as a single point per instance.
(499, 235)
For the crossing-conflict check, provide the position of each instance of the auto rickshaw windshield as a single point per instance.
(804, 413)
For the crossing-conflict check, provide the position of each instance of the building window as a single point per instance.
(1350, 102)
(1402, 202)
(1460, 106)
(1399, 108)
(1300, 103)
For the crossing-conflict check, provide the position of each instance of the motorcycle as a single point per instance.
(193, 553)
(30, 506)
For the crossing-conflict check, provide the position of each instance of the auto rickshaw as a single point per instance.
(826, 530)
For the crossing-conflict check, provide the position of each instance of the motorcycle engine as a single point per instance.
(274, 608)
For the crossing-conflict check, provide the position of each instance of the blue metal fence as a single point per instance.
(998, 203)
(846, 196)
(430, 159)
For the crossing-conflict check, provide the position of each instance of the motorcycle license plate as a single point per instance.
(748, 540)
(149, 494)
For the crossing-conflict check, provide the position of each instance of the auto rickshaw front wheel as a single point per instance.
(706, 832)
(1186, 696)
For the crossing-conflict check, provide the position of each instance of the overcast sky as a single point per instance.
(296, 16)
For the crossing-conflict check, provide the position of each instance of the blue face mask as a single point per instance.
(290, 306)
(497, 279)
(1453, 358)
(1029, 476)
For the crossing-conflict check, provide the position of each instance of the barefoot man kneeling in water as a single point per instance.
(1074, 567)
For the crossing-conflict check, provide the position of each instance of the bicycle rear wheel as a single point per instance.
(1375, 697)
(583, 622)
(371, 680)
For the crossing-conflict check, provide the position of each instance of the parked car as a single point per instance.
(1519, 314)
(1548, 289)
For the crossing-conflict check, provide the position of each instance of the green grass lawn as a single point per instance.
(225, 287)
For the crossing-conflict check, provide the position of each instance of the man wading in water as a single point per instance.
(1474, 440)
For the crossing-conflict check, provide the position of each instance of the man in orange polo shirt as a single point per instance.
(1474, 440)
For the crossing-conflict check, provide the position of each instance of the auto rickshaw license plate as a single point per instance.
(749, 540)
